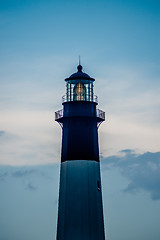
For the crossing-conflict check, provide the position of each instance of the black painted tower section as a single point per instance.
(80, 135)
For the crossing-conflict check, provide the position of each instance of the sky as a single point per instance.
(40, 43)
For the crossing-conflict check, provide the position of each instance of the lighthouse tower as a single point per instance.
(80, 211)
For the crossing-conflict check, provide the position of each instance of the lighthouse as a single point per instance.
(80, 209)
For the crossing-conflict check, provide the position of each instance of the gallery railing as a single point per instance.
(59, 114)
(86, 97)
(99, 113)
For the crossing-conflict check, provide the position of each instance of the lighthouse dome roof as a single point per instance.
(79, 75)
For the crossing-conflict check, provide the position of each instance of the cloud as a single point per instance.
(30, 138)
(142, 171)
(29, 178)
(31, 187)
(130, 97)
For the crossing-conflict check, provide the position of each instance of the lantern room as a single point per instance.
(79, 87)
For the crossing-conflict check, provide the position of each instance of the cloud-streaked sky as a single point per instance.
(118, 41)
(131, 198)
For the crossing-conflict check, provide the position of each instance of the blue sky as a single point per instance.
(118, 41)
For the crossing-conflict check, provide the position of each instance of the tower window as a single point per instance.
(98, 185)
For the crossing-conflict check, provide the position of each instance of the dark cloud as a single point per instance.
(142, 171)
(2, 132)
(17, 172)
(23, 172)
(31, 187)
(8, 137)
(3, 175)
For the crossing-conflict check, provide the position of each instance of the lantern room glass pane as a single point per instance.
(79, 93)
(79, 90)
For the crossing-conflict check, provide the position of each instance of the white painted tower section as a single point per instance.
(80, 201)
